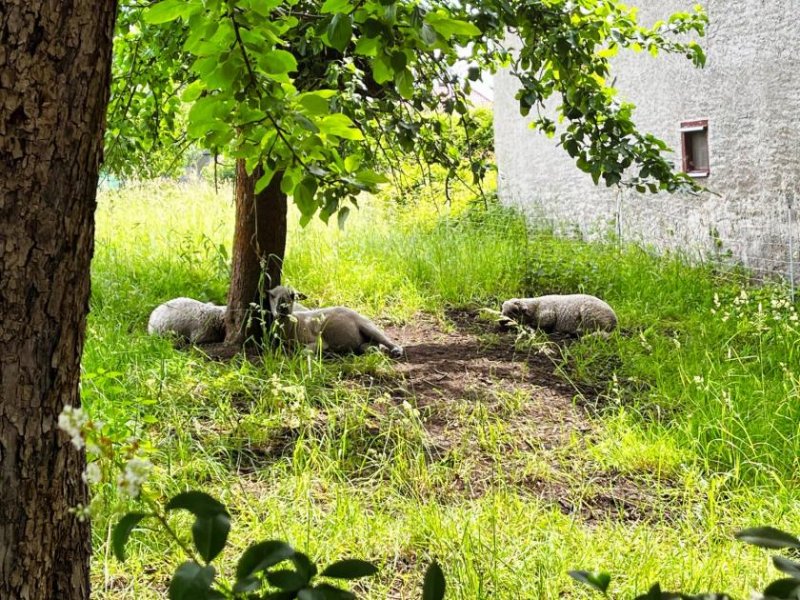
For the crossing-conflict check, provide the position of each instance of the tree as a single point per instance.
(54, 84)
(323, 95)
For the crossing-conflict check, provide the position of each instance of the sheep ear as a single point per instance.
(300, 296)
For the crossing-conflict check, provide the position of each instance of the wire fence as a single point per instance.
(761, 235)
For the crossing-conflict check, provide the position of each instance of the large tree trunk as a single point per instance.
(54, 82)
(259, 244)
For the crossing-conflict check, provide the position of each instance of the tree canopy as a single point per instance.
(330, 93)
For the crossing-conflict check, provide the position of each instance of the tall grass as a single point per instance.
(697, 394)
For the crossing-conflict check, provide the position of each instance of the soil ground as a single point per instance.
(470, 381)
(546, 424)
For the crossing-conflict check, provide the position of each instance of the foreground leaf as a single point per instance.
(351, 568)
(783, 588)
(596, 579)
(262, 556)
(199, 504)
(768, 537)
(191, 582)
(122, 531)
(787, 566)
(210, 535)
(434, 586)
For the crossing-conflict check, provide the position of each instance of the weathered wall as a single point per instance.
(749, 91)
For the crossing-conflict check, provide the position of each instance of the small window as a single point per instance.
(694, 140)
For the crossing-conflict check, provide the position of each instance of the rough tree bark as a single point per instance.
(54, 82)
(259, 244)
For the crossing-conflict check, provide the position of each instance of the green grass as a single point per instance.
(699, 410)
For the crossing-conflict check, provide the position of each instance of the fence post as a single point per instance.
(619, 216)
(790, 220)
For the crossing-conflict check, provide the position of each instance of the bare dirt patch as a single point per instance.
(539, 424)
(494, 417)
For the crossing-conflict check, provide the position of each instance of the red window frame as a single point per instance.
(687, 129)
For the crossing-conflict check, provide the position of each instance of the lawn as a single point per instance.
(510, 458)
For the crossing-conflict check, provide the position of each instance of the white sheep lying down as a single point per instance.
(195, 321)
(573, 314)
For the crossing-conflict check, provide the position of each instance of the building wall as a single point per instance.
(750, 93)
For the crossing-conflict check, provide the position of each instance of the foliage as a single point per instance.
(146, 121)
(764, 537)
(322, 92)
(268, 569)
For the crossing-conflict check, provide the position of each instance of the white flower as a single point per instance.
(136, 472)
(82, 512)
(93, 474)
(71, 421)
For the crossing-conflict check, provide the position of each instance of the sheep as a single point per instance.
(573, 314)
(337, 329)
(189, 319)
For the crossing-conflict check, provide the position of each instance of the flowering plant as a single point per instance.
(266, 569)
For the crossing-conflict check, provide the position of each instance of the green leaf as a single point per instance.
(191, 582)
(787, 566)
(783, 588)
(351, 568)
(305, 568)
(336, 6)
(210, 535)
(193, 91)
(199, 504)
(264, 181)
(286, 580)
(277, 62)
(205, 66)
(655, 593)
(768, 537)
(122, 531)
(314, 103)
(399, 60)
(595, 579)
(304, 195)
(262, 556)
(341, 126)
(449, 27)
(433, 587)
(405, 83)
(164, 12)
(247, 584)
(370, 177)
(381, 70)
(204, 109)
(263, 8)
(342, 215)
(351, 162)
(306, 123)
(367, 46)
(428, 34)
(339, 31)
(224, 75)
(325, 591)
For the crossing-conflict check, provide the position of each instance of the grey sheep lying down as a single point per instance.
(573, 314)
(189, 319)
(336, 329)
